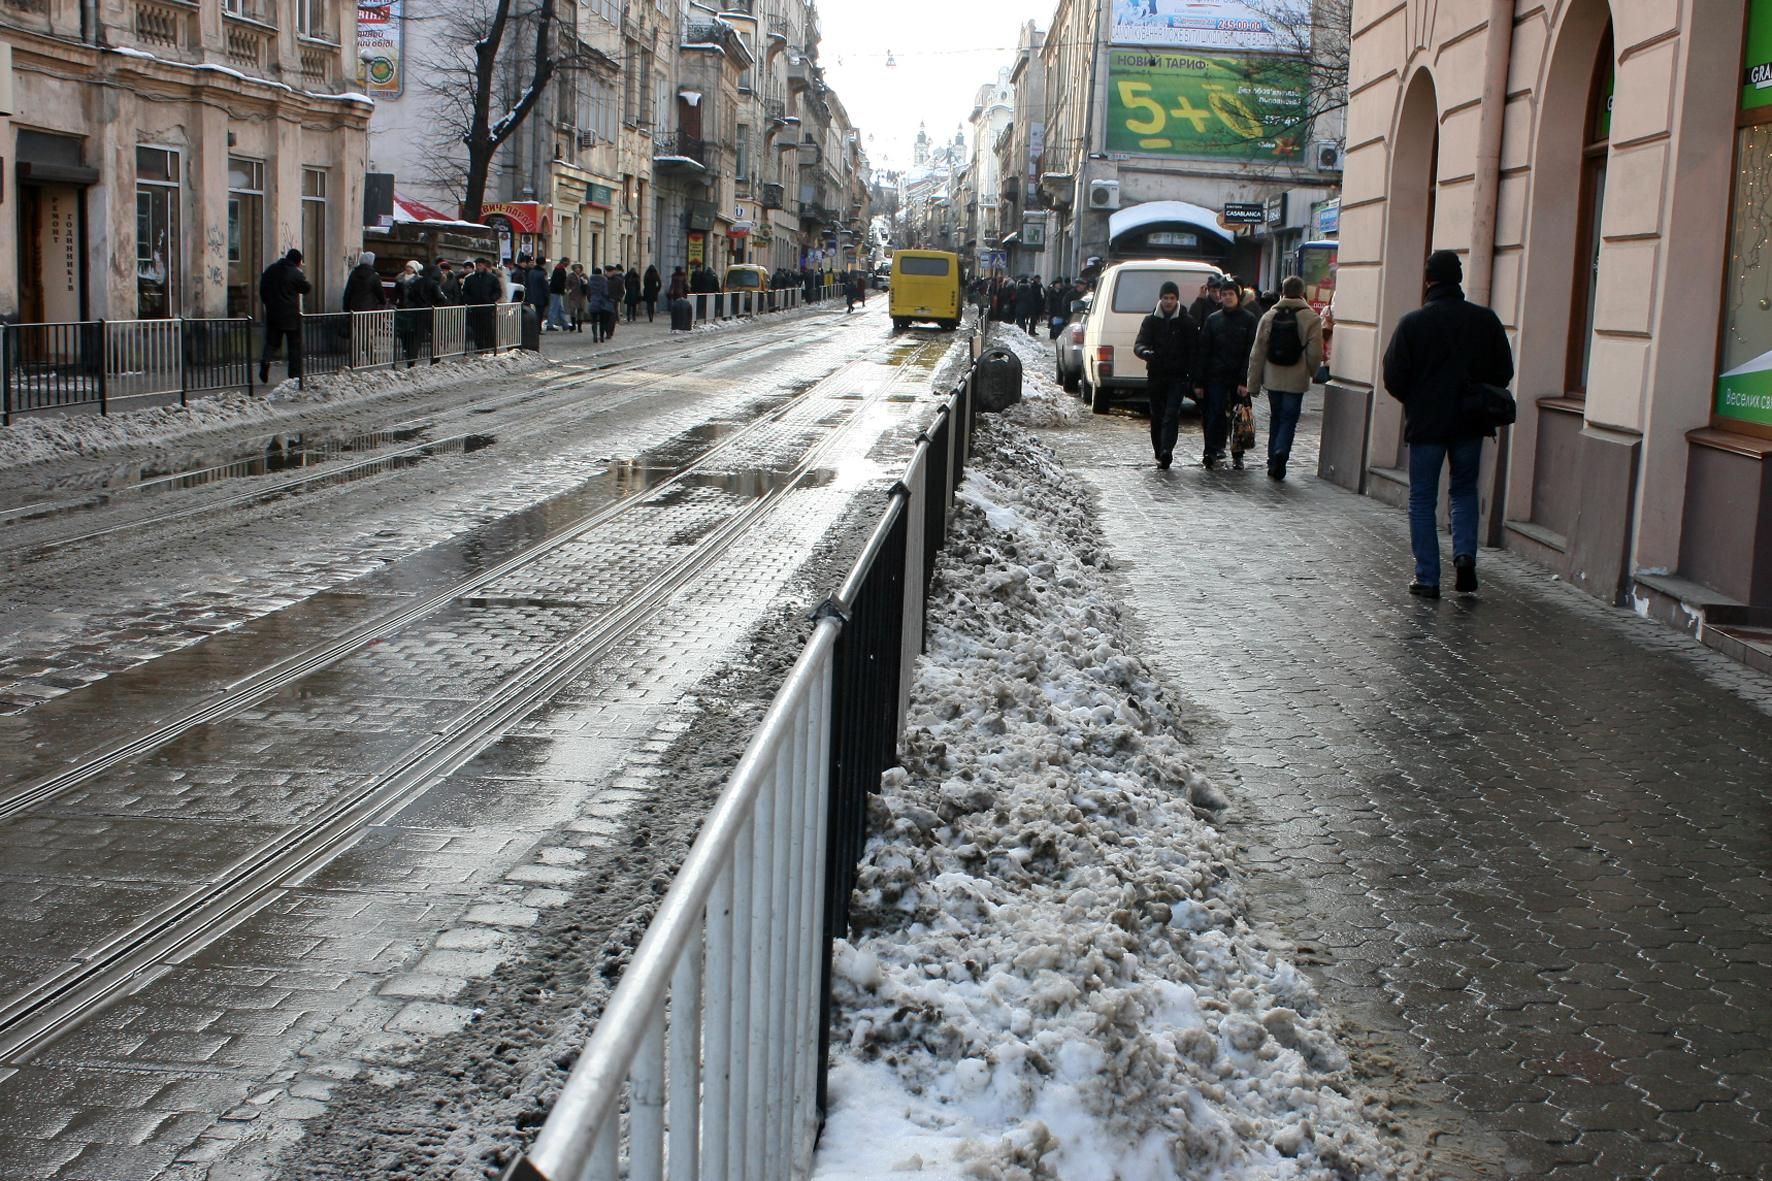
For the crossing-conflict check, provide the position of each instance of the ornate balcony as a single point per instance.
(680, 151)
(166, 24)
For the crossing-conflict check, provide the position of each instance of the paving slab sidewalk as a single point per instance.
(1523, 840)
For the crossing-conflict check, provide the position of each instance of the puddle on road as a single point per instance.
(280, 453)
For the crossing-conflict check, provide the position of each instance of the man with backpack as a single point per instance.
(1288, 349)
(1436, 354)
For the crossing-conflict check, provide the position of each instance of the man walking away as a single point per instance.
(280, 289)
(1166, 342)
(534, 279)
(617, 292)
(557, 284)
(1225, 343)
(630, 289)
(1437, 351)
(1288, 349)
(480, 290)
(649, 290)
(597, 301)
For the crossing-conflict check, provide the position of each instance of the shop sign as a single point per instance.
(1276, 209)
(1756, 81)
(381, 36)
(1244, 213)
(600, 195)
(1745, 392)
(1328, 219)
(698, 248)
(1229, 107)
(1033, 233)
(701, 215)
(525, 217)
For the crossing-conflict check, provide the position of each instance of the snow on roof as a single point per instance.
(692, 97)
(1155, 212)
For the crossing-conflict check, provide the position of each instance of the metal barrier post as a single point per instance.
(104, 406)
(6, 341)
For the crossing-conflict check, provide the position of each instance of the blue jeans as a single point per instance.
(1214, 415)
(557, 312)
(1283, 412)
(1167, 394)
(1425, 462)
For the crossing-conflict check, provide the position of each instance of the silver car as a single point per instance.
(1069, 344)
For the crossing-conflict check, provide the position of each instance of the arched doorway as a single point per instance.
(1408, 235)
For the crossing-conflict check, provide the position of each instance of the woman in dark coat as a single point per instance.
(649, 290)
(631, 293)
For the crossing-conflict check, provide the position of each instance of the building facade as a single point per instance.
(1602, 167)
(1138, 111)
(161, 153)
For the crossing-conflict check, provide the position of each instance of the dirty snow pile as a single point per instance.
(1050, 977)
(34, 439)
(1044, 402)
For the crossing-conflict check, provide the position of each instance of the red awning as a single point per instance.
(406, 210)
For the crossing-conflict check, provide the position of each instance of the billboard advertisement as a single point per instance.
(1225, 106)
(1279, 26)
(381, 36)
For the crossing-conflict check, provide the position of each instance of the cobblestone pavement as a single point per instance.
(1521, 839)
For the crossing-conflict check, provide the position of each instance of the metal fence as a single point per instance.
(406, 337)
(98, 363)
(709, 1059)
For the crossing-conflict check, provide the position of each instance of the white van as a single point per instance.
(1125, 295)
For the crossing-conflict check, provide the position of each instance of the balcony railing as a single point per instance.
(680, 147)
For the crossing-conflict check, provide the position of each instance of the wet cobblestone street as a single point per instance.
(1522, 840)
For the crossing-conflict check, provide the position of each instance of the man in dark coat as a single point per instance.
(1225, 342)
(481, 290)
(449, 281)
(280, 288)
(618, 285)
(533, 277)
(558, 281)
(363, 291)
(1166, 342)
(1436, 351)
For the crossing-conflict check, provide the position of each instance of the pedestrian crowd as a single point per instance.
(1448, 362)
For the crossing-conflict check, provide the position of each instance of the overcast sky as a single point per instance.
(944, 51)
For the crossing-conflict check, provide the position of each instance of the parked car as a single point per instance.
(1069, 350)
(1126, 294)
(883, 276)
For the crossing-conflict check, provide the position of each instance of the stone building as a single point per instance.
(160, 153)
(1604, 169)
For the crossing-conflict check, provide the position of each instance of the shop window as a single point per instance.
(1744, 361)
(1585, 290)
(246, 233)
(156, 233)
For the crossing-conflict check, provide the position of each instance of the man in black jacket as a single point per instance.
(1166, 345)
(1225, 342)
(480, 291)
(1436, 352)
(281, 288)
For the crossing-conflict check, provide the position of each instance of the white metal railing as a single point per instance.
(509, 326)
(706, 1062)
(372, 339)
(143, 357)
(712, 1032)
(449, 332)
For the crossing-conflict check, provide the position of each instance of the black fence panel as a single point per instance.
(865, 675)
(49, 366)
(219, 355)
(935, 495)
(325, 343)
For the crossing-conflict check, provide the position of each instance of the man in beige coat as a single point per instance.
(1288, 350)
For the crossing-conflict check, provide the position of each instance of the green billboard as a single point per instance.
(1241, 107)
(1756, 57)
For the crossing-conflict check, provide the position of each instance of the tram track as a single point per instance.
(108, 969)
(554, 387)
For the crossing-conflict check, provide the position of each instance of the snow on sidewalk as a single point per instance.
(1051, 976)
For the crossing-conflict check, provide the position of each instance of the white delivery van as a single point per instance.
(1125, 295)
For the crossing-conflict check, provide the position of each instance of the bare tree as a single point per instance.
(471, 74)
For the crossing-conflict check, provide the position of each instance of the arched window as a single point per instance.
(1595, 142)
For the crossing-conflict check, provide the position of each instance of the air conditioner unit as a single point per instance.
(1326, 155)
(587, 139)
(1104, 194)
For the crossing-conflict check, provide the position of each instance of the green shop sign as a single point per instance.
(1228, 106)
(1756, 78)
(1745, 392)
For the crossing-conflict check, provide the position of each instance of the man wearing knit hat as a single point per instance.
(1436, 352)
(1166, 346)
